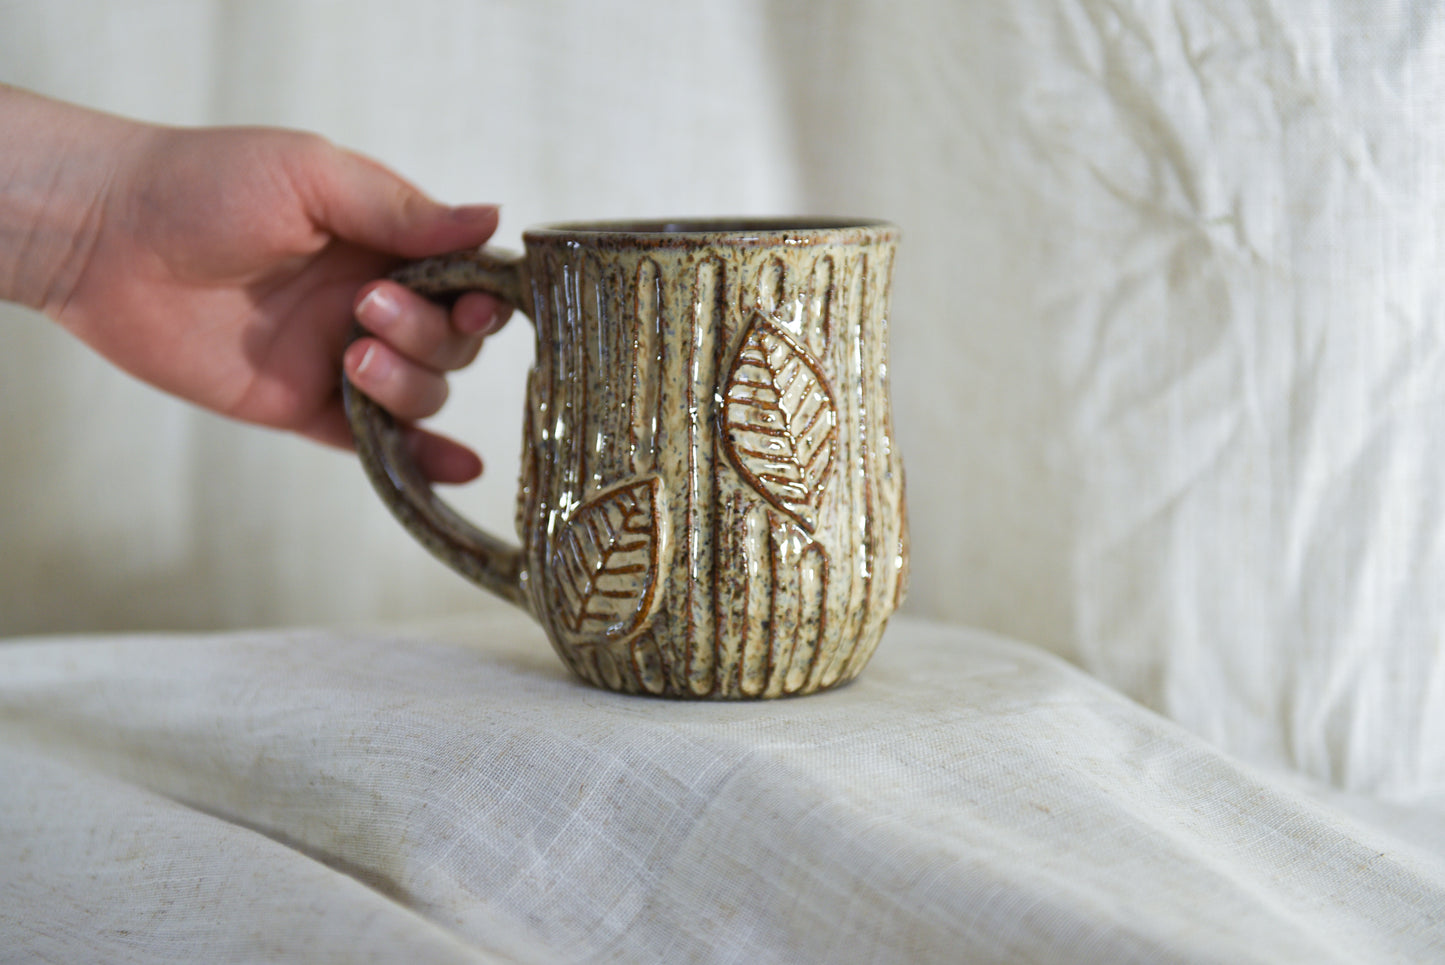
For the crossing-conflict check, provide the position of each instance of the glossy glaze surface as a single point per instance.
(711, 502)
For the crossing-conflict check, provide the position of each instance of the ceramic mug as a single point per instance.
(711, 500)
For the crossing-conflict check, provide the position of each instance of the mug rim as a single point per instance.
(747, 229)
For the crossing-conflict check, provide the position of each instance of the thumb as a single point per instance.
(361, 201)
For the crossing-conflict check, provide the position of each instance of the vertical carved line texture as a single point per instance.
(757, 642)
(769, 292)
(853, 524)
(576, 340)
(868, 550)
(593, 419)
(725, 638)
(647, 664)
(706, 319)
(551, 418)
(729, 606)
(594, 358)
(788, 535)
(527, 484)
(882, 546)
(646, 364)
(820, 305)
(798, 585)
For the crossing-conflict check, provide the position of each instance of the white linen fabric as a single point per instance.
(449, 793)
(1167, 327)
(1169, 376)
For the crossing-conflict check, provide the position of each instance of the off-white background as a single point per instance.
(1169, 329)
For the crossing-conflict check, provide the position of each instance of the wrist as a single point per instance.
(56, 174)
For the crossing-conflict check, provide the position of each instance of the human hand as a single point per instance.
(225, 265)
(401, 363)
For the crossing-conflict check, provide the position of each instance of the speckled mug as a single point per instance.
(711, 501)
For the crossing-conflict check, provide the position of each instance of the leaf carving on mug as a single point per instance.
(606, 561)
(779, 421)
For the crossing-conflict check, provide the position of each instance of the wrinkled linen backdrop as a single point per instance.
(1169, 376)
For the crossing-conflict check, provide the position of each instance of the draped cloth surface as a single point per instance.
(449, 793)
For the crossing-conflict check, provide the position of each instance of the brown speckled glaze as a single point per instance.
(711, 502)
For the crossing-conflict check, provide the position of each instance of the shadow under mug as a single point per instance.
(711, 501)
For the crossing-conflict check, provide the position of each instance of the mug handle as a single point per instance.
(487, 561)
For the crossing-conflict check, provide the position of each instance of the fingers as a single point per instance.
(409, 392)
(423, 331)
(405, 389)
(359, 200)
(415, 343)
(478, 313)
(412, 342)
(440, 460)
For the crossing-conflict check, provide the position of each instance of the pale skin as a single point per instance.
(227, 266)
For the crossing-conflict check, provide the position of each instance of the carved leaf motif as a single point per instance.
(779, 421)
(605, 562)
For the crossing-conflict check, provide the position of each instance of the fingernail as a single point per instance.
(378, 309)
(473, 325)
(366, 359)
(480, 314)
(476, 323)
(475, 213)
